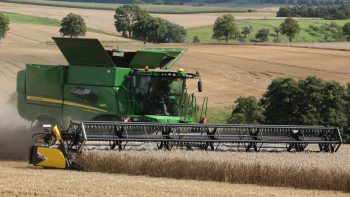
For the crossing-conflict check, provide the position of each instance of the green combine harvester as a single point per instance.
(128, 98)
(103, 84)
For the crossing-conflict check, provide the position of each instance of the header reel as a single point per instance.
(58, 149)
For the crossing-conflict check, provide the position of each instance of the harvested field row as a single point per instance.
(20, 179)
(300, 170)
(232, 71)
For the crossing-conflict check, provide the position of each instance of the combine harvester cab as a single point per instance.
(108, 85)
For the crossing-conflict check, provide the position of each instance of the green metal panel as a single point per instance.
(150, 58)
(83, 51)
(120, 75)
(100, 76)
(45, 82)
(104, 102)
(21, 95)
(162, 119)
(173, 53)
(125, 102)
(31, 111)
(21, 81)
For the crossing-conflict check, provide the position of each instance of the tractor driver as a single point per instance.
(163, 101)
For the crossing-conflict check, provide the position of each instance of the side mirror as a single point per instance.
(200, 86)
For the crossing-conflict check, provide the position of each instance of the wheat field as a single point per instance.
(309, 170)
(21, 179)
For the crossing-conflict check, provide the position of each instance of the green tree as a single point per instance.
(225, 28)
(125, 18)
(263, 35)
(246, 111)
(277, 30)
(150, 29)
(280, 102)
(73, 26)
(290, 28)
(346, 31)
(4, 25)
(311, 101)
(321, 102)
(196, 39)
(174, 33)
(246, 31)
(347, 112)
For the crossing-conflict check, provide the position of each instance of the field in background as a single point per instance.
(219, 114)
(104, 20)
(204, 33)
(26, 29)
(165, 9)
(34, 20)
(227, 71)
(306, 34)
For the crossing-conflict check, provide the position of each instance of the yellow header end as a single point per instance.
(57, 133)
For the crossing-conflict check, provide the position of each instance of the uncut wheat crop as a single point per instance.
(328, 171)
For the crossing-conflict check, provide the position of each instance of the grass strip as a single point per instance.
(161, 9)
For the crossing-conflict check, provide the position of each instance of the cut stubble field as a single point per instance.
(44, 182)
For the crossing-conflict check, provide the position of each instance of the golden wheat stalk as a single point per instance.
(301, 170)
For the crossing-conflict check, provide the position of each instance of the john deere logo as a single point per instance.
(168, 120)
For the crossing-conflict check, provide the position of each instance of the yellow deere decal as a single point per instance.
(51, 157)
(83, 106)
(49, 100)
(42, 99)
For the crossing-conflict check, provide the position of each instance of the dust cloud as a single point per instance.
(15, 135)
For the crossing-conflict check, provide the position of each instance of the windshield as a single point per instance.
(159, 95)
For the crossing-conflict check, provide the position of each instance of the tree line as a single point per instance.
(327, 12)
(225, 28)
(130, 20)
(180, 2)
(309, 101)
(306, 2)
(133, 22)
